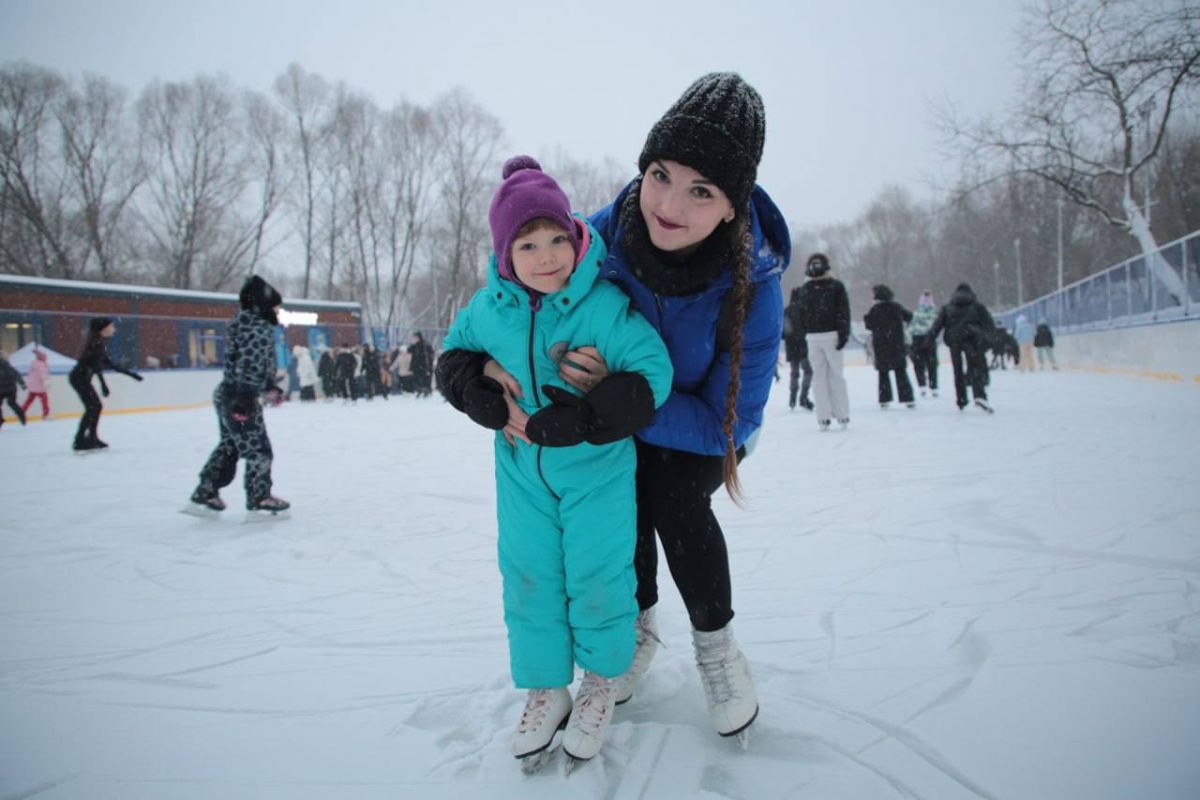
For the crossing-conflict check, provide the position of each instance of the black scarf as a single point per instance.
(655, 268)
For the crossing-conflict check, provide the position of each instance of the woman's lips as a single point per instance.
(670, 226)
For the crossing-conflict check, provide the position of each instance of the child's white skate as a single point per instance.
(646, 629)
(589, 719)
(728, 687)
(546, 712)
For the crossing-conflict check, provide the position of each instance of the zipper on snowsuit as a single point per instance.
(537, 398)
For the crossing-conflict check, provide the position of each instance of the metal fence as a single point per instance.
(1161, 287)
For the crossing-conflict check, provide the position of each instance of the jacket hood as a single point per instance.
(963, 295)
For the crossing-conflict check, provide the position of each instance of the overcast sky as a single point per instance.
(846, 86)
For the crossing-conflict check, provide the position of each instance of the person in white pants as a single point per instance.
(825, 317)
(829, 384)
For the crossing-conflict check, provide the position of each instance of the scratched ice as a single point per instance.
(935, 604)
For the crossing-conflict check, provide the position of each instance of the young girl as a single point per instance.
(565, 477)
(249, 372)
(38, 380)
(924, 350)
(92, 362)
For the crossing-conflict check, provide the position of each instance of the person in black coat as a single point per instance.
(795, 350)
(10, 379)
(372, 375)
(327, 372)
(1043, 341)
(886, 321)
(422, 364)
(347, 365)
(967, 328)
(824, 316)
(92, 362)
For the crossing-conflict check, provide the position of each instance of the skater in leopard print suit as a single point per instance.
(249, 372)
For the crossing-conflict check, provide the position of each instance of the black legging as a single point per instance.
(91, 408)
(674, 491)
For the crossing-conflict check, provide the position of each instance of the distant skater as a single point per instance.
(967, 325)
(38, 379)
(886, 321)
(825, 317)
(92, 362)
(249, 372)
(10, 379)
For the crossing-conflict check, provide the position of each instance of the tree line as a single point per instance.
(196, 184)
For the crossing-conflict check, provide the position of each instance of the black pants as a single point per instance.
(11, 398)
(903, 385)
(925, 362)
(91, 408)
(246, 440)
(674, 495)
(794, 382)
(970, 367)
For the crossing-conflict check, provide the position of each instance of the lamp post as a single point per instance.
(996, 274)
(1060, 261)
(1020, 291)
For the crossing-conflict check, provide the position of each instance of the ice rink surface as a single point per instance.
(935, 604)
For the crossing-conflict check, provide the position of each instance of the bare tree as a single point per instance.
(265, 129)
(470, 137)
(1102, 79)
(305, 98)
(34, 216)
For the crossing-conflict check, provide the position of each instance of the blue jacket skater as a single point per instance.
(567, 515)
(692, 417)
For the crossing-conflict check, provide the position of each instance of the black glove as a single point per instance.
(104, 390)
(615, 408)
(136, 377)
(565, 422)
(842, 339)
(483, 401)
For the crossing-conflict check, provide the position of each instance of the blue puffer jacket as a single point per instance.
(692, 417)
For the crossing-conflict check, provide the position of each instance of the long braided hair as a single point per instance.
(741, 243)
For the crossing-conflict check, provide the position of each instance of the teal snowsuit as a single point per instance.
(567, 515)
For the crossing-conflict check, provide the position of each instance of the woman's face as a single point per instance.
(109, 330)
(681, 207)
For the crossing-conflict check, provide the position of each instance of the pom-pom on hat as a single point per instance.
(526, 194)
(717, 127)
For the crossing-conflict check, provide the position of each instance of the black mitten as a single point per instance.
(841, 340)
(565, 422)
(620, 405)
(483, 401)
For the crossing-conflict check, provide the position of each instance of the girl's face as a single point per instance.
(681, 207)
(543, 259)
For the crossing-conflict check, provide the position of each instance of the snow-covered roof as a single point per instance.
(125, 288)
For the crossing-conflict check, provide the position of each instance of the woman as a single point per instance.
(92, 362)
(699, 249)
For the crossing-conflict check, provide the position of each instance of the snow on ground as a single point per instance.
(935, 604)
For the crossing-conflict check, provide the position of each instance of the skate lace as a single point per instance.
(535, 709)
(715, 663)
(643, 634)
(591, 705)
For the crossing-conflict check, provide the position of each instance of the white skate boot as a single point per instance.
(728, 687)
(545, 714)
(647, 645)
(589, 719)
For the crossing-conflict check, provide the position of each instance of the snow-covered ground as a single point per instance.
(935, 604)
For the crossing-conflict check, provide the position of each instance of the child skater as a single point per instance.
(565, 479)
(249, 372)
(39, 383)
(92, 362)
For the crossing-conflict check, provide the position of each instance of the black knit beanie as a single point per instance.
(717, 127)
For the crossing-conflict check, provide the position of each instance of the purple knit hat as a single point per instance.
(526, 194)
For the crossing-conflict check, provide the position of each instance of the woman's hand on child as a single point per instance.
(583, 368)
